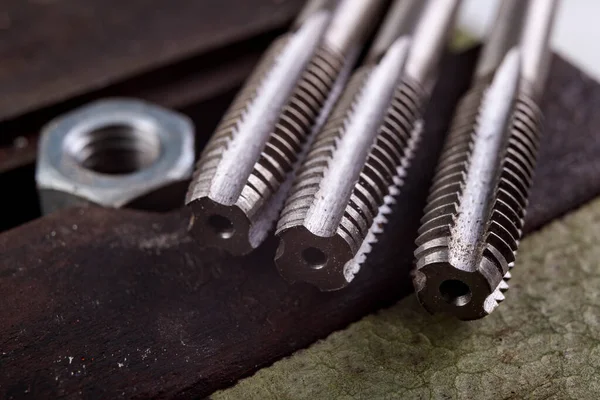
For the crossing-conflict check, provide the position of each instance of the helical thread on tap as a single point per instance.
(244, 173)
(317, 160)
(347, 185)
(331, 261)
(287, 143)
(385, 166)
(241, 224)
(446, 283)
(213, 152)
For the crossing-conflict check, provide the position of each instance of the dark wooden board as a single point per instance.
(53, 50)
(185, 84)
(569, 170)
(122, 304)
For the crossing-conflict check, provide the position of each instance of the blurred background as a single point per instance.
(575, 35)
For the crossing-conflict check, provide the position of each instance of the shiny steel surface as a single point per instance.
(503, 35)
(115, 153)
(405, 15)
(474, 217)
(534, 43)
(354, 168)
(430, 39)
(246, 168)
(351, 24)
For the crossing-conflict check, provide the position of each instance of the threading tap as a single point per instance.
(355, 166)
(476, 207)
(245, 171)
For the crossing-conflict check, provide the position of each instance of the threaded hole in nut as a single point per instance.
(116, 149)
(455, 292)
(222, 226)
(314, 257)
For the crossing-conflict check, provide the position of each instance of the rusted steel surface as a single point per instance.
(53, 50)
(114, 303)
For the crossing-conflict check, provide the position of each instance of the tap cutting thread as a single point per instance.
(474, 218)
(245, 171)
(355, 166)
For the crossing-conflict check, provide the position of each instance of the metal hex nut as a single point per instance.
(115, 153)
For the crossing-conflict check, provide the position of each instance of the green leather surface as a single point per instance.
(543, 342)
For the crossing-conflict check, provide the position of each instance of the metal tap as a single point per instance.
(474, 217)
(354, 168)
(245, 170)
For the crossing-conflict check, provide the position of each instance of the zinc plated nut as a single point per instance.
(115, 153)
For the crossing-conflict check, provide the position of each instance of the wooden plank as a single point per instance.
(53, 50)
(181, 86)
(114, 303)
